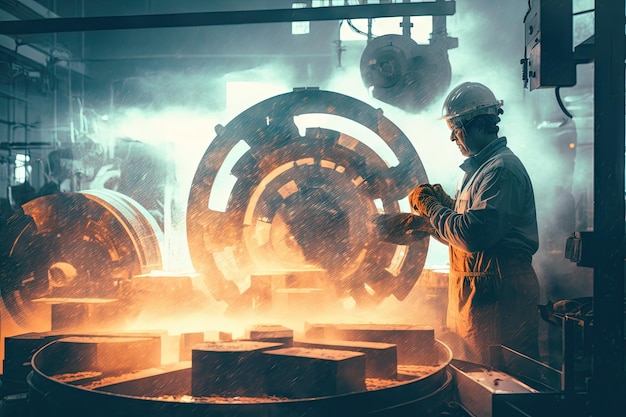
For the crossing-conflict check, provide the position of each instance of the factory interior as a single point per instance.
(189, 190)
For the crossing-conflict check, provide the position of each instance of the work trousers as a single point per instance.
(493, 299)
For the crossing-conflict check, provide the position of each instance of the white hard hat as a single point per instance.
(468, 100)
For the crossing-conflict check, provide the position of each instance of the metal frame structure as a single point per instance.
(608, 222)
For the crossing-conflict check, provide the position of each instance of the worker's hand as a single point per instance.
(422, 199)
(402, 228)
(443, 197)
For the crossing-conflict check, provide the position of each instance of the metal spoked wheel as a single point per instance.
(295, 194)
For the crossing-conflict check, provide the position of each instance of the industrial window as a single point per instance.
(22, 168)
(300, 28)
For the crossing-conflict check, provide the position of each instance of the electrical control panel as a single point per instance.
(549, 59)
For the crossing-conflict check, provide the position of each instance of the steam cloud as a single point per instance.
(491, 43)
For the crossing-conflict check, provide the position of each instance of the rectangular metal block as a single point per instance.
(300, 372)
(381, 359)
(22, 347)
(85, 314)
(234, 368)
(170, 380)
(19, 350)
(488, 392)
(107, 354)
(265, 285)
(273, 280)
(216, 335)
(270, 333)
(187, 342)
(162, 293)
(15, 372)
(160, 336)
(415, 343)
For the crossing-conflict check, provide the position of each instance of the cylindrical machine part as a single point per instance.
(74, 245)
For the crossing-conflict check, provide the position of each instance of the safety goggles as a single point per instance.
(456, 125)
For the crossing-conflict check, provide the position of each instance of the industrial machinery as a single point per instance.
(405, 74)
(302, 200)
(101, 387)
(283, 189)
(298, 202)
(305, 199)
(281, 204)
(70, 246)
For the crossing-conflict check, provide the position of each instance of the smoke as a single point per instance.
(177, 114)
(491, 44)
(186, 108)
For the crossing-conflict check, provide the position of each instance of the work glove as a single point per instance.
(443, 197)
(423, 199)
(402, 228)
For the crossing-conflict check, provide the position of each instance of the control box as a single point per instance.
(549, 44)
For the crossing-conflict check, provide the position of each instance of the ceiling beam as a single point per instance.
(26, 9)
(84, 24)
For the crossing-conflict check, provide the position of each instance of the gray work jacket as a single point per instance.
(495, 206)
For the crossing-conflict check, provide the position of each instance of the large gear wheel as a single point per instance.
(298, 200)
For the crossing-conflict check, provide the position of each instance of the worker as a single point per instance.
(490, 228)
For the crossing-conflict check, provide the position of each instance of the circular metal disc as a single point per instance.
(304, 199)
